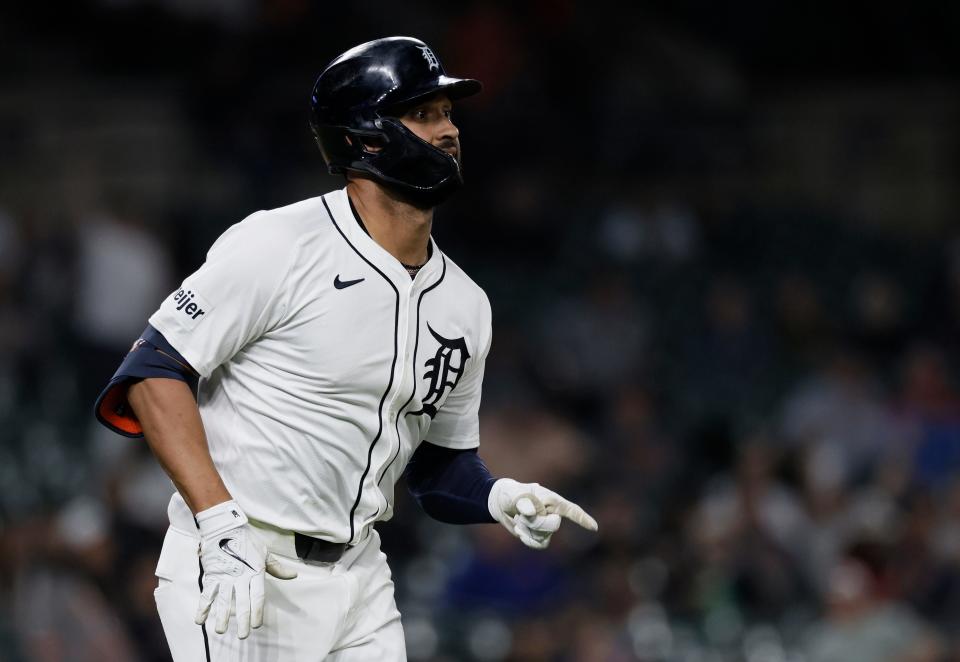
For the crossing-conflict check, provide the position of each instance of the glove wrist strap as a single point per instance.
(494, 504)
(219, 518)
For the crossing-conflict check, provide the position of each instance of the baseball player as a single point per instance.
(333, 347)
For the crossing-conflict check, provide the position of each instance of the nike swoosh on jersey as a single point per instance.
(340, 284)
(224, 545)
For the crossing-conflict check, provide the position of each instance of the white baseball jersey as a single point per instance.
(323, 364)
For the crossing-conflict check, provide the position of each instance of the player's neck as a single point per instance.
(400, 228)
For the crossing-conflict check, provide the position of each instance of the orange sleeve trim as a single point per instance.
(116, 412)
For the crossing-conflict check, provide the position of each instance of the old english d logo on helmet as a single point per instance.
(431, 59)
(356, 97)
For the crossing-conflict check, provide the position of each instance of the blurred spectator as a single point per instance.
(862, 625)
(803, 326)
(14, 333)
(591, 344)
(536, 446)
(500, 576)
(745, 531)
(879, 326)
(840, 406)
(123, 273)
(61, 612)
(664, 231)
(929, 407)
(728, 358)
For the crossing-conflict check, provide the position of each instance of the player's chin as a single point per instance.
(455, 153)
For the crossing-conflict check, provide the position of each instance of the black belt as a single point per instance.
(314, 549)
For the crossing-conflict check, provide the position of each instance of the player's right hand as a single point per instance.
(233, 559)
(532, 513)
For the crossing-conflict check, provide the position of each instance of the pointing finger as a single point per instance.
(575, 514)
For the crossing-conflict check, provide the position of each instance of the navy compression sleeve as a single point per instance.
(450, 485)
(150, 356)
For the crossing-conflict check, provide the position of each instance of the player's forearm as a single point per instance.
(173, 429)
(450, 485)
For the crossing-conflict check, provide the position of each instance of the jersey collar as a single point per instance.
(352, 227)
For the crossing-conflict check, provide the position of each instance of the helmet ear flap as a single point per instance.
(368, 142)
(336, 146)
(423, 173)
(423, 165)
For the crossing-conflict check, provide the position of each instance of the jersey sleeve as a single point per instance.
(233, 298)
(457, 422)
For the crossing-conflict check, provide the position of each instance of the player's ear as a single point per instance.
(371, 144)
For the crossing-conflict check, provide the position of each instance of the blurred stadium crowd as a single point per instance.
(724, 264)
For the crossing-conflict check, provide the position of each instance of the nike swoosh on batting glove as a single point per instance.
(533, 513)
(233, 559)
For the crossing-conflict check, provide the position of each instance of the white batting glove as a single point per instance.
(532, 513)
(233, 559)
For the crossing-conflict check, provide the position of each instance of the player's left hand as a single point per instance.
(233, 560)
(532, 513)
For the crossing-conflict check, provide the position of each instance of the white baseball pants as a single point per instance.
(342, 612)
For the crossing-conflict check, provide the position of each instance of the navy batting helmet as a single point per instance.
(353, 116)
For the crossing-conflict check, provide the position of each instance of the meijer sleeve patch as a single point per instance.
(187, 307)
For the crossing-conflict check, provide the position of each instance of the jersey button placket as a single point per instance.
(395, 398)
(406, 370)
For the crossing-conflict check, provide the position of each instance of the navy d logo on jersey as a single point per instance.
(443, 371)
